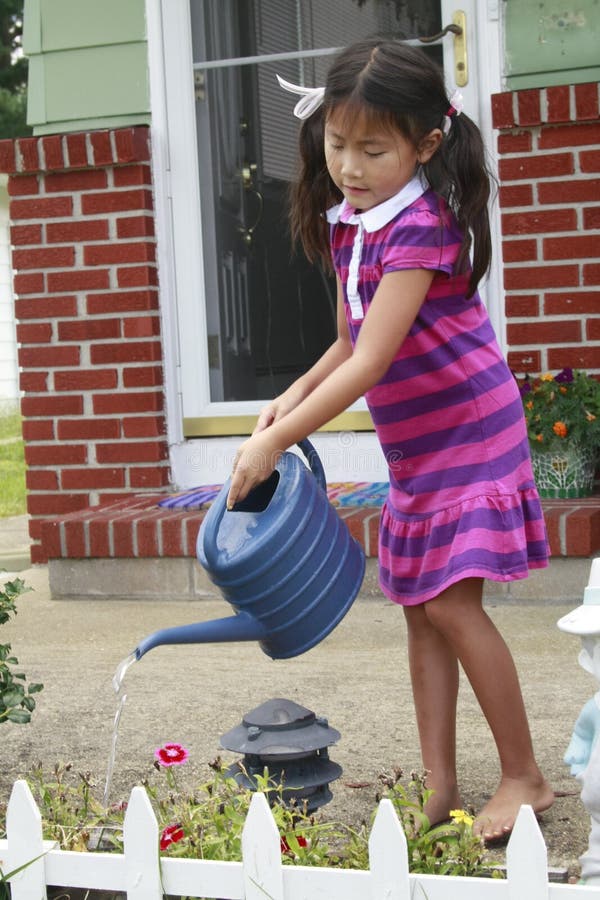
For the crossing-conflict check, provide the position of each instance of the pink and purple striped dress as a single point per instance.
(462, 500)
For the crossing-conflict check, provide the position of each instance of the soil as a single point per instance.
(357, 678)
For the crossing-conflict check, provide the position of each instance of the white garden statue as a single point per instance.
(583, 752)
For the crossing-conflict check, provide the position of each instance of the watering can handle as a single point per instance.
(209, 542)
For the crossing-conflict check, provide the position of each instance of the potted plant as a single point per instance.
(562, 413)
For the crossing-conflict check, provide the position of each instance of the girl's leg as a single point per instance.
(434, 678)
(458, 615)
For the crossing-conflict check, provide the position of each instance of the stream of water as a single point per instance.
(117, 682)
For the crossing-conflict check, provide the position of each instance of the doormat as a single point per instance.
(339, 493)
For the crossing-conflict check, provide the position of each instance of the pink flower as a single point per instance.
(171, 755)
(170, 835)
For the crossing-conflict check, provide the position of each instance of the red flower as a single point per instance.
(171, 834)
(285, 847)
(171, 755)
(560, 429)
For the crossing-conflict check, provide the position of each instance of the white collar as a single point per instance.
(380, 215)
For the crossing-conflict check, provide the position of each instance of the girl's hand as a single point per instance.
(254, 462)
(277, 409)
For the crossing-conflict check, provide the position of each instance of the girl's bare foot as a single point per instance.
(497, 818)
(437, 809)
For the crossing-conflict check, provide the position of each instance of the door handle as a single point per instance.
(461, 65)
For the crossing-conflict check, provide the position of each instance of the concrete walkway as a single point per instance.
(357, 678)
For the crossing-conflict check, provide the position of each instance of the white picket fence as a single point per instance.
(143, 875)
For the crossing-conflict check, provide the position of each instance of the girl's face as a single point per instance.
(368, 162)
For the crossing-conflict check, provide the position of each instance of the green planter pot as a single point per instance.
(565, 471)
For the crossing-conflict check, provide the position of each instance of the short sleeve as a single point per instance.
(420, 239)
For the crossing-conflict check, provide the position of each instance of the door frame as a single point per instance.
(348, 443)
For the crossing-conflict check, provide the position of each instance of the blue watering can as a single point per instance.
(283, 559)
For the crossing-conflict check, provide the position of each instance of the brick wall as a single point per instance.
(88, 320)
(549, 173)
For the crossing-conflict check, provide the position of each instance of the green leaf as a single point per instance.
(35, 688)
(14, 696)
(19, 716)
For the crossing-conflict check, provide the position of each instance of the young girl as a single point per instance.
(407, 172)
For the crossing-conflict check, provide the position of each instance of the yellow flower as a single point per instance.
(547, 377)
(560, 429)
(460, 816)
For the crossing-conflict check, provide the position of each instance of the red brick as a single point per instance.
(121, 301)
(552, 517)
(99, 537)
(116, 201)
(515, 195)
(30, 283)
(589, 160)
(24, 186)
(502, 110)
(121, 252)
(28, 158)
(568, 136)
(130, 402)
(46, 307)
(51, 543)
(41, 480)
(52, 145)
(26, 234)
(581, 190)
(141, 326)
(130, 175)
(559, 103)
(38, 430)
(34, 333)
(572, 247)
(514, 142)
(43, 258)
(574, 358)
(78, 280)
(75, 542)
(137, 276)
(45, 455)
(550, 165)
(135, 226)
(56, 504)
(7, 156)
(148, 477)
(52, 406)
(132, 144)
(132, 451)
(526, 278)
(92, 478)
(125, 352)
(519, 251)
(33, 382)
(576, 302)
(586, 101)
(89, 330)
(102, 151)
(592, 329)
(122, 535)
(528, 106)
(142, 376)
(41, 208)
(591, 217)
(583, 531)
(86, 429)
(192, 524)
(77, 230)
(37, 555)
(68, 182)
(591, 273)
(172, 536)
(48, 357)
(529, 333)
(521, 305)
(144, 426)
(146, 532)
(88, 380)
(77, 151)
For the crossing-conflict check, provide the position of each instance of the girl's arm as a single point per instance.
(388, 321)
(339, 351)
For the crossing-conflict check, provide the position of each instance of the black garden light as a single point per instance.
(291, 742)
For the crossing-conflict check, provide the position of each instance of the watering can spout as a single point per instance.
(241, 627)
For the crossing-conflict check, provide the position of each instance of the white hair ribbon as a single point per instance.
(455, 109)
(311, 98)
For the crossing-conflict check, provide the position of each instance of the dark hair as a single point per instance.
(397, 86)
